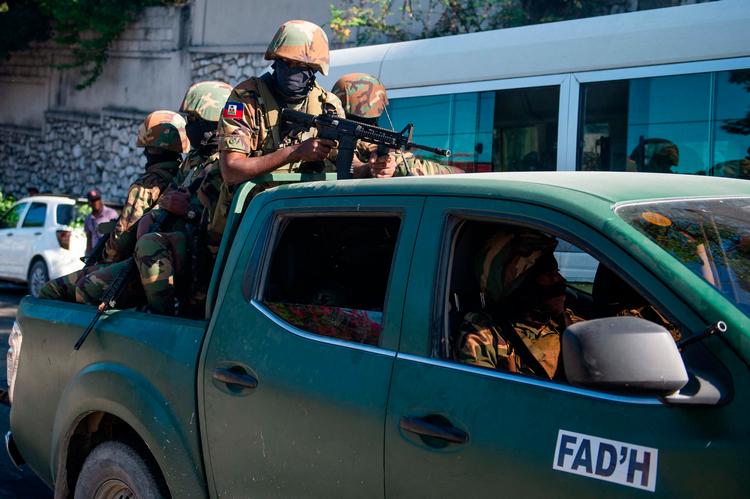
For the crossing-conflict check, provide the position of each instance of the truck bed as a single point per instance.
(153, 358)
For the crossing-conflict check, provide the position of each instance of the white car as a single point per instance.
(38, 241)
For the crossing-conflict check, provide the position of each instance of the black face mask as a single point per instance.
(293, 83)
(200, 132)
(161, 156)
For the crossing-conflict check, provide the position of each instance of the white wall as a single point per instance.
(249, 25)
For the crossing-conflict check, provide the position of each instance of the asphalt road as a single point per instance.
(14, 483)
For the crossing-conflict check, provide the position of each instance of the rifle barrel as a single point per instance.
(434, 150)
(88, 329)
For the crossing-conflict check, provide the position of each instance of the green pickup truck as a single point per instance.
(329, 363)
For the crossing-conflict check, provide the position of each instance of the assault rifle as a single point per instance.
(348, 132)
(116, 288)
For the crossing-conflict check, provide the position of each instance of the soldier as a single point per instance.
(252, 141)
(184, 249)
(364, 99)
(160, 255)
(162, 135)
(525, 314)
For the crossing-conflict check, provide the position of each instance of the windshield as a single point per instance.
(711, 237)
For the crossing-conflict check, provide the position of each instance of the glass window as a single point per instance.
(36, 215)
(10, 219)
(72, 214)
(503, 130)
(711, 237)
(671, 124)
(512, 292)
(329, 274)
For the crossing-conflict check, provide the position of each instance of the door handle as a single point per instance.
(37, 233)
(431, 428)
(8, 234)
(234, 376)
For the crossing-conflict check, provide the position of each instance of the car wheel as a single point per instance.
(38, 277)
(114, 470)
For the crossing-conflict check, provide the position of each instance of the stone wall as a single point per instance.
(72, 154)
(229, 67)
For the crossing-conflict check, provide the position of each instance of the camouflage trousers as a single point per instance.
(64, 288)
(159, 257)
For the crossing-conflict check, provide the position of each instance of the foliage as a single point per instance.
(384, 20)
(87, 27)
(6, 202)
(739, 126)
(21, 22)
(82, 210)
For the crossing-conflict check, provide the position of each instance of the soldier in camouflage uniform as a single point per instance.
(163, 137)
(252, 141)
(364, 99)
(525, 313)
(182, 253)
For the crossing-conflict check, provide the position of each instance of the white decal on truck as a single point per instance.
(609, 460)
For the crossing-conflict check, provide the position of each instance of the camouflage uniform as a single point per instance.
(249, 123)
(163, 130)
(483, 343)
(163, 257)
(364, 96)
(501, 268)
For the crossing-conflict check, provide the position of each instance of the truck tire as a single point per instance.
(114, 470)
(37, 278)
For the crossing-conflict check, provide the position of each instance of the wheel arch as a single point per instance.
(90, 412)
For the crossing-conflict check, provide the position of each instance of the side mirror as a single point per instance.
(623, 354)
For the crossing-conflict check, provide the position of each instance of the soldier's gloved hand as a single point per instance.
(175, 202)
(313, 149)
(382, 166)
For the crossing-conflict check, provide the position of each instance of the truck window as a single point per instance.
(513, 290)
(328, 274)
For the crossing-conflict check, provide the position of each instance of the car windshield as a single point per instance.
(711, 237)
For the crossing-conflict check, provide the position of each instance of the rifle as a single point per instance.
(97, 251)
(109, 300)
(348, 132)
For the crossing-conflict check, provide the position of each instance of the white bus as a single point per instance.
(658, 90)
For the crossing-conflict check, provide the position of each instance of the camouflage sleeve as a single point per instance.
(414, 166)
(122, 241)
(238, 124)
(481, 344)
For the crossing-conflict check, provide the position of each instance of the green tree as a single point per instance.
(388, 20)
(86, 27)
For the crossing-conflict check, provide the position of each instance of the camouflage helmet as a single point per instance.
(300, 41)
(163, 129)
(206, 99)
(361, 94)
(503, 262)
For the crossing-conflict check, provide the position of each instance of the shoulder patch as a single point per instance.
(233, 110)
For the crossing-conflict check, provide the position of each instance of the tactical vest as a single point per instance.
(268, 113)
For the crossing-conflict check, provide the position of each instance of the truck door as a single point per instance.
(453, 428)
(299, 354)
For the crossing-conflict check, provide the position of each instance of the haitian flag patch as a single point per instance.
(233, 110)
